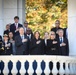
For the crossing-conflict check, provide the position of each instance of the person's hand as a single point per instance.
(24, 40)
(9, 44)
(6, 45)
(16, 30)
(62, 44)
(54, 42)
(38, 42)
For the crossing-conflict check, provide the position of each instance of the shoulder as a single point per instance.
(0, 36)
(41, 39)
(49, 40)
(12, 25)
(53, 28)
(20, 24)
(16, 37)
(65, 39)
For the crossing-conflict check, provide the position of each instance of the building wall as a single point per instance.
(9, 9)
(1, 17)
(72, 26)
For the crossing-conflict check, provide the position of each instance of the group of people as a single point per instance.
(19, 39)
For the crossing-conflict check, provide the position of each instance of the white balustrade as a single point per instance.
(67, 70)
(6, 71)
(30, 70)
(69, 61)
(38, 70)
(47, 69)
(54, 71)
(14, 61)
(74, 69)
(22, 70)
(71, 67)
(61, 70)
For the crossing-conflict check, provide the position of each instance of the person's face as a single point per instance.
(37, 35)
(21, 31)
(52, 35)
(25, 24)
(7, 27)
(10, 35)
(57, 23)
(46, 35)
(28, 31)
(60, 33)
(16, 20)
(5, 38)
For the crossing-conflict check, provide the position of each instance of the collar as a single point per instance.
(16, 23)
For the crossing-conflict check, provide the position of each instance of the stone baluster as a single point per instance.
(67, 70)
(30, 69)
(38, 70)
(54, 70)
(47, 69)
(14, 69)
(22, 70)
(6, 70)
(61, 70)
(71, 68)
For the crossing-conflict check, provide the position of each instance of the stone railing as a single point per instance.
(37, 65)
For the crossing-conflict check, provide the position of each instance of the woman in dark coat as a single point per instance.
(6, 45)
(52, 45)
(36, 45)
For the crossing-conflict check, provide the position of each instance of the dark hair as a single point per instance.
(35, 33)
(57, 21)
(13, 35)
(16, 17)
(25, 22)
(46, 32)
(7, 25)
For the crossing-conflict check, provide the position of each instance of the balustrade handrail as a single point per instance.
(69, 68)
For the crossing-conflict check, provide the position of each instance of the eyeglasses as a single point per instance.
(25, 23)
(57, 23)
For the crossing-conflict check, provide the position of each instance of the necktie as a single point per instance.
(61, 40)
(16, 25)
(22, 37)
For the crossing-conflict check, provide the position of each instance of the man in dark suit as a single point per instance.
(64, 46)
(25, 26)
(14, 28)
(57, 27)
(29, 33)
(7, 29)
(22, 43)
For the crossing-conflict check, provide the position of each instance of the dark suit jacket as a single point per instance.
(55, 29)
(36, 49)
(7, 50)
(6, 32)
(65, 35)
(64, 50)
(52, 49)
(21, 48)
(13, 28)
(0, 44)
